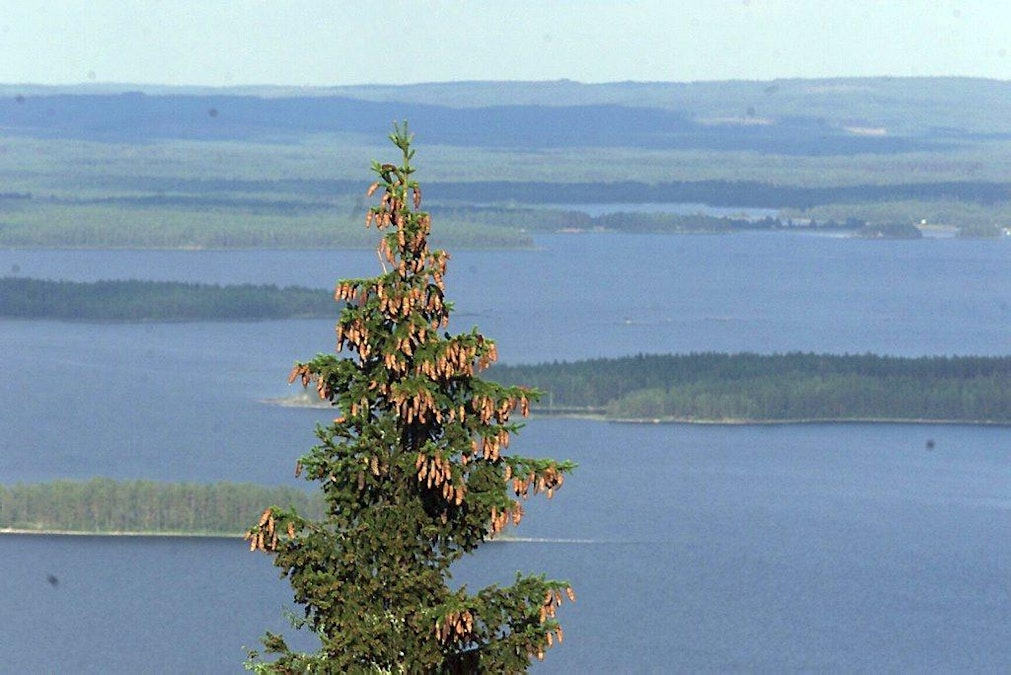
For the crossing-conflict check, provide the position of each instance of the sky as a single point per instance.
(345, 42)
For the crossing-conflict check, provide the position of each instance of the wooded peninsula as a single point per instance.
(792, 387)
(132, 300)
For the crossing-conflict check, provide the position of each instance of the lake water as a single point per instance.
(828, 547)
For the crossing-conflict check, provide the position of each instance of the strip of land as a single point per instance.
(132, 300)
(141, 507)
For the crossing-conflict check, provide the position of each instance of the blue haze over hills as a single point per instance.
(792, 117)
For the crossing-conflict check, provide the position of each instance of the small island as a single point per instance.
(133, 300)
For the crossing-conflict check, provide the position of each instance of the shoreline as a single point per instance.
(506, 539)
(812, 421)
(97, 533)
(301, 402)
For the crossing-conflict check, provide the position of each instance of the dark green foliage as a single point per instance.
(103, 505)
(23, 298)
(414, 476)
(778, 387)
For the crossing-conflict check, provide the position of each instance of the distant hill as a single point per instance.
(899, 105)
(794, 117)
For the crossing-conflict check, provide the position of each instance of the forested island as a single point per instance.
(792, 387)
(132, 300)
(103, 505)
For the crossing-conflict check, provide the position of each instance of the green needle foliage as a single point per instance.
(414, 476)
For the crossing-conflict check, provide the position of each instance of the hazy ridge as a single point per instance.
(787, 117)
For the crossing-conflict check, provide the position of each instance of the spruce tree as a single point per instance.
(415, 474)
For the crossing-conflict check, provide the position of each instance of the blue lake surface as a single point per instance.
(758, 548)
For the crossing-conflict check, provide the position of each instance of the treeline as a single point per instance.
(132, 300)
(103, 505)
(779, 387)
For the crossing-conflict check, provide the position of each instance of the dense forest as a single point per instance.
(779, 387)
(132, 300)
(103, 505)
